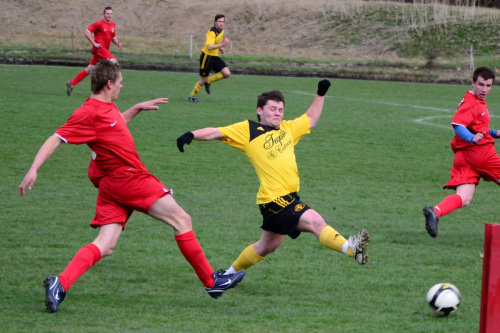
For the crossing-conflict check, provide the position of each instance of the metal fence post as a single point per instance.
(191, 46)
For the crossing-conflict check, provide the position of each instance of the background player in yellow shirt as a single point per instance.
(269, 145)
(210, 60)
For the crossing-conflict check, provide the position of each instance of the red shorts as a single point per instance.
(99, 54)
(122, 192)
(472, 164)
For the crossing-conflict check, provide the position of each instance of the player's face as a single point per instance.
(481, 87)
(219, 24)
(108, 15)
(116, 87)
(271, 114)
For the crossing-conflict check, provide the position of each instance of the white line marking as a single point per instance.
(423, 121)
(380, 102)
(426, 121)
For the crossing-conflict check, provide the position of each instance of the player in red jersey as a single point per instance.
(124, 185)
(473, 145)
(104, 33)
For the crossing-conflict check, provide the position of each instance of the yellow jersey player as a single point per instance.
(210, 60)
(270, 146)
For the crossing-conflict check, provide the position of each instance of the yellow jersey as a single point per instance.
(213, 37)
(271, 152)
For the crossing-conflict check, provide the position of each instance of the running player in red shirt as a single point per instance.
(104, 33)
(124, 184)
(473, 145)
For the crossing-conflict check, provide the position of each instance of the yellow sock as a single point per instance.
(330, 238)
(196, 89)
(246, 259)
(215, 77)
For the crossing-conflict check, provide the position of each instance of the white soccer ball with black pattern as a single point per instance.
(444, 298)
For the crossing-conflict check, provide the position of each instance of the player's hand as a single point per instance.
(184, 139)
(221, 50)
(226, 41)
(323, 86)
(151, 105)
(29, 180)
(478, 137)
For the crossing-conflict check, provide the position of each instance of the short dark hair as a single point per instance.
(107, 8)
(101, 73)
(273, 95)
(484, 72)
(218, 16)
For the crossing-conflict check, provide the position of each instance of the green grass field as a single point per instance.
(378, 155)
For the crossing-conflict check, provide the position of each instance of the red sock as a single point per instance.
(191, 250)
(79, 77)
(449, 204)
(85, 258)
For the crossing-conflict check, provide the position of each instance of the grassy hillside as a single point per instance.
(342, 37)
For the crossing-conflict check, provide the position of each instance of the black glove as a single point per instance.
(185, 138)
(323, 86)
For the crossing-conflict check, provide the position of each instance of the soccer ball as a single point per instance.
(443, 298)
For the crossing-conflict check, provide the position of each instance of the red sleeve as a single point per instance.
(465, 113)
(79, 128)
(94, 26)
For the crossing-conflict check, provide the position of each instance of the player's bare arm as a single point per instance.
(204, 134)
(44, 153)
(314, 111)
(117, 43)
(88, 35)
(219, 46)
(207, 134)
(144, 106)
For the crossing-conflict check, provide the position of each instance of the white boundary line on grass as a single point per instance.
(423, 121)
(426, 121)
(379, 102)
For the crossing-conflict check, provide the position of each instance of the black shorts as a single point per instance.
(282, 215)
(210, 63)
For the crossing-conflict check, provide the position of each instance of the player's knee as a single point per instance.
(466, 201)
(268, 249)
(184, 221)
(316, 223)
(264, 248)
(107, 250)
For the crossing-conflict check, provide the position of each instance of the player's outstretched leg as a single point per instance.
(431, 221)
(223, 282)
(359, 245)
(54, 293)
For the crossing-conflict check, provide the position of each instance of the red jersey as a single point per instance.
(103, 33)
(473, 114)
(102, 127)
